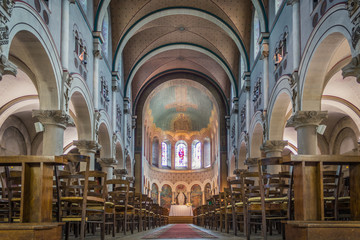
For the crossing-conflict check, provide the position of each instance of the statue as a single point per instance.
(181, 198)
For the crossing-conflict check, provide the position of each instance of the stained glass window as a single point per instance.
(181, 160)
(207, 156)
(277, 5)
(105, 34)
(256, 34)
(196, 155)
(164, 154)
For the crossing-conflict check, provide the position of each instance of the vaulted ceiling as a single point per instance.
(152, 37)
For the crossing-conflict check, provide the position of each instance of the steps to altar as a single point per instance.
(180, 219)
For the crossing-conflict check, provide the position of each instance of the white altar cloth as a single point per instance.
(181, 210)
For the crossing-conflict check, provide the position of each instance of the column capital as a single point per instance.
(85, 145)
(292, 2)
(274, 146)
(352, 69)
(120, 173)
(306, 118)
(107, 162)
(6, 67)
(53, 117)
(98, 41)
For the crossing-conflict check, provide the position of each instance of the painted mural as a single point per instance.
(196, 195)
(154, 192)
(207, 191)
(165, 196)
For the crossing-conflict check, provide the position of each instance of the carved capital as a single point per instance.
(98, 39)
(120, 173)
(127, 105)
(6, 67)
(306, 118)
(53, 117)
(353, 6)
(251, 161)
(88, 146)
(352, 69)
(264, 51)
(274, 146)
(133, 121)
(107, 162)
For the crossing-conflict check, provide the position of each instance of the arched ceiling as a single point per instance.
(180, 103)
(219, 28)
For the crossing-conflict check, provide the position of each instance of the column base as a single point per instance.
(322, 230)
(31, 231)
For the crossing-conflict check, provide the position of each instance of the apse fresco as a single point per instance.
(154, 192)
(207, 191)
(165, 196)
(196, 195)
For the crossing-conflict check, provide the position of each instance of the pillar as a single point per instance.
(273, 148)
(107, 167)
(295, 32)
(203, 197)
(98, 39)
(65, 29)
(173, 153)
(307, 182)
(265, 57)
(87, 148)
(54, 122)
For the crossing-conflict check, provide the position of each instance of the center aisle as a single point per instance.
(179, 231)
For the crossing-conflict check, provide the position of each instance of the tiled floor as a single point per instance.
(220, 235)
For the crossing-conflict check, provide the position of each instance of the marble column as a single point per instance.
(107, 167)
(295, 32)
(273, 148)
(87, 148)
(306, 192)
(54, 122)
(265, 57)
(98, 39)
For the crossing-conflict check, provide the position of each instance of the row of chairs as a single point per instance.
(85, 200)
(260, 201)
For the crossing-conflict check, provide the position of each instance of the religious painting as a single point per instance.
(165, 196)
(154, 192)
(207, 191)
(196, 195)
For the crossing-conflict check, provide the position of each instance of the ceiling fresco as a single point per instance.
(180, 105)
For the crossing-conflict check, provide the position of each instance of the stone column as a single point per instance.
(273, 148)
(173, 153)
(265, 57)
(120, 173)
(203, 197)
(248, 100)
(65, 26)
(98, 39)
(88, 148)
(295, 32)
(55, 122)
(307, 203)
(107, 167)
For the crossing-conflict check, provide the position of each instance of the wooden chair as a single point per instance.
(225, 210)
(267, 202)
(123, 203)
(83, 198)
(11, 198)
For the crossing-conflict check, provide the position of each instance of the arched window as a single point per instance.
(105, 34)
(181, 159)
(256, 28)
(83, 4)
(165, 154)
(207, 155)
(196, 155)
(155, 152)
(277, 5)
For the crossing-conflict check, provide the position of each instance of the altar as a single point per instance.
(181, 210)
